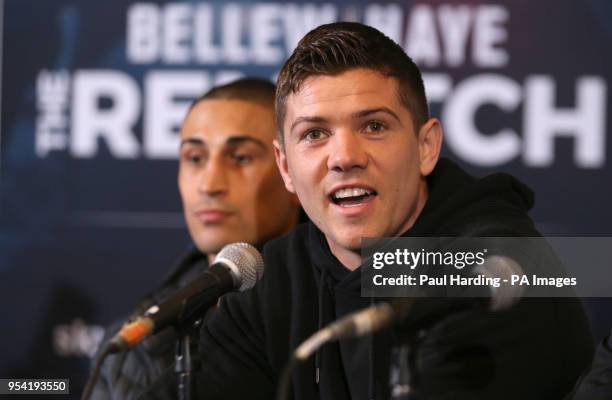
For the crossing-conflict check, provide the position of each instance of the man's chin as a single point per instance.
(350, 241)
(214, 247)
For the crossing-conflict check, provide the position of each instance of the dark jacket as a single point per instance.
(536, 350)
(596, 384)
(149, 365)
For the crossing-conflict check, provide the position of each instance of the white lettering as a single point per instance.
(489, 32)
(52, 92)
(458, 113)
(265, 22)
(585, 122)
(437, 87)
(142, 33)
(177, 32)
(91, 122)
(164, 113)
(455, 24)
(205, 51)
(231, 33)
(421, 42)
(299, 20)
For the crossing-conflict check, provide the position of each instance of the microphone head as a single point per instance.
(502, 267)
(245, 263)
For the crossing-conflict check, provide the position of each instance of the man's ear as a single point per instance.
(430, 144)
(281, 163)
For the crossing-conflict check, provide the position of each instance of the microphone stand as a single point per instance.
(403, 375)
(187, 359)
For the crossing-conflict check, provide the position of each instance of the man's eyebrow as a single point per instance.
(192, 141)
(357, 115)
(299, 120)
(230, 141)
(365, 113)
(236, 140)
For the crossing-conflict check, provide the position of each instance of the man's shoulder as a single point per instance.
(288, 258)
(128, 374)
(185, 267)
(289, 245)
(462, 205)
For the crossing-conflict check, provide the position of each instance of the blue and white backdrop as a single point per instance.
(93, 93)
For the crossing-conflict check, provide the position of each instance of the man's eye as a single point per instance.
(241, 159)
(313, 134)
(193, 158)
(375, 126)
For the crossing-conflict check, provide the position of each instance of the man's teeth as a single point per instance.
(351, 192)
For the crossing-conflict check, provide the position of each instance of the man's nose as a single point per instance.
(214, 180)
(346, 152)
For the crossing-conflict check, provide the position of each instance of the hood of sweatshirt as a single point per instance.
(458, 205)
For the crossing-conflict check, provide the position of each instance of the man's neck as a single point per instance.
(349, 259)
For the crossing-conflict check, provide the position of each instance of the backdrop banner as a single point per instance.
(93, 94)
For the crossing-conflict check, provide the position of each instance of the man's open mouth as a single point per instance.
(347, 197)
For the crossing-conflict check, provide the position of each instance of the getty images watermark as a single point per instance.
(475, 266)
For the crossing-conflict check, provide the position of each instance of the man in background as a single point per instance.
(231, 191)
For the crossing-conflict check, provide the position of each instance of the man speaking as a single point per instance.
(358, 147)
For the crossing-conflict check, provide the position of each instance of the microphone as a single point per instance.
(238, 266)
(416, 310)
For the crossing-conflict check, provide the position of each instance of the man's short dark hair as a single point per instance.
(341, 46)
(254, 90)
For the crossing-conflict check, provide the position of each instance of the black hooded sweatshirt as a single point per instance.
(536, 350)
